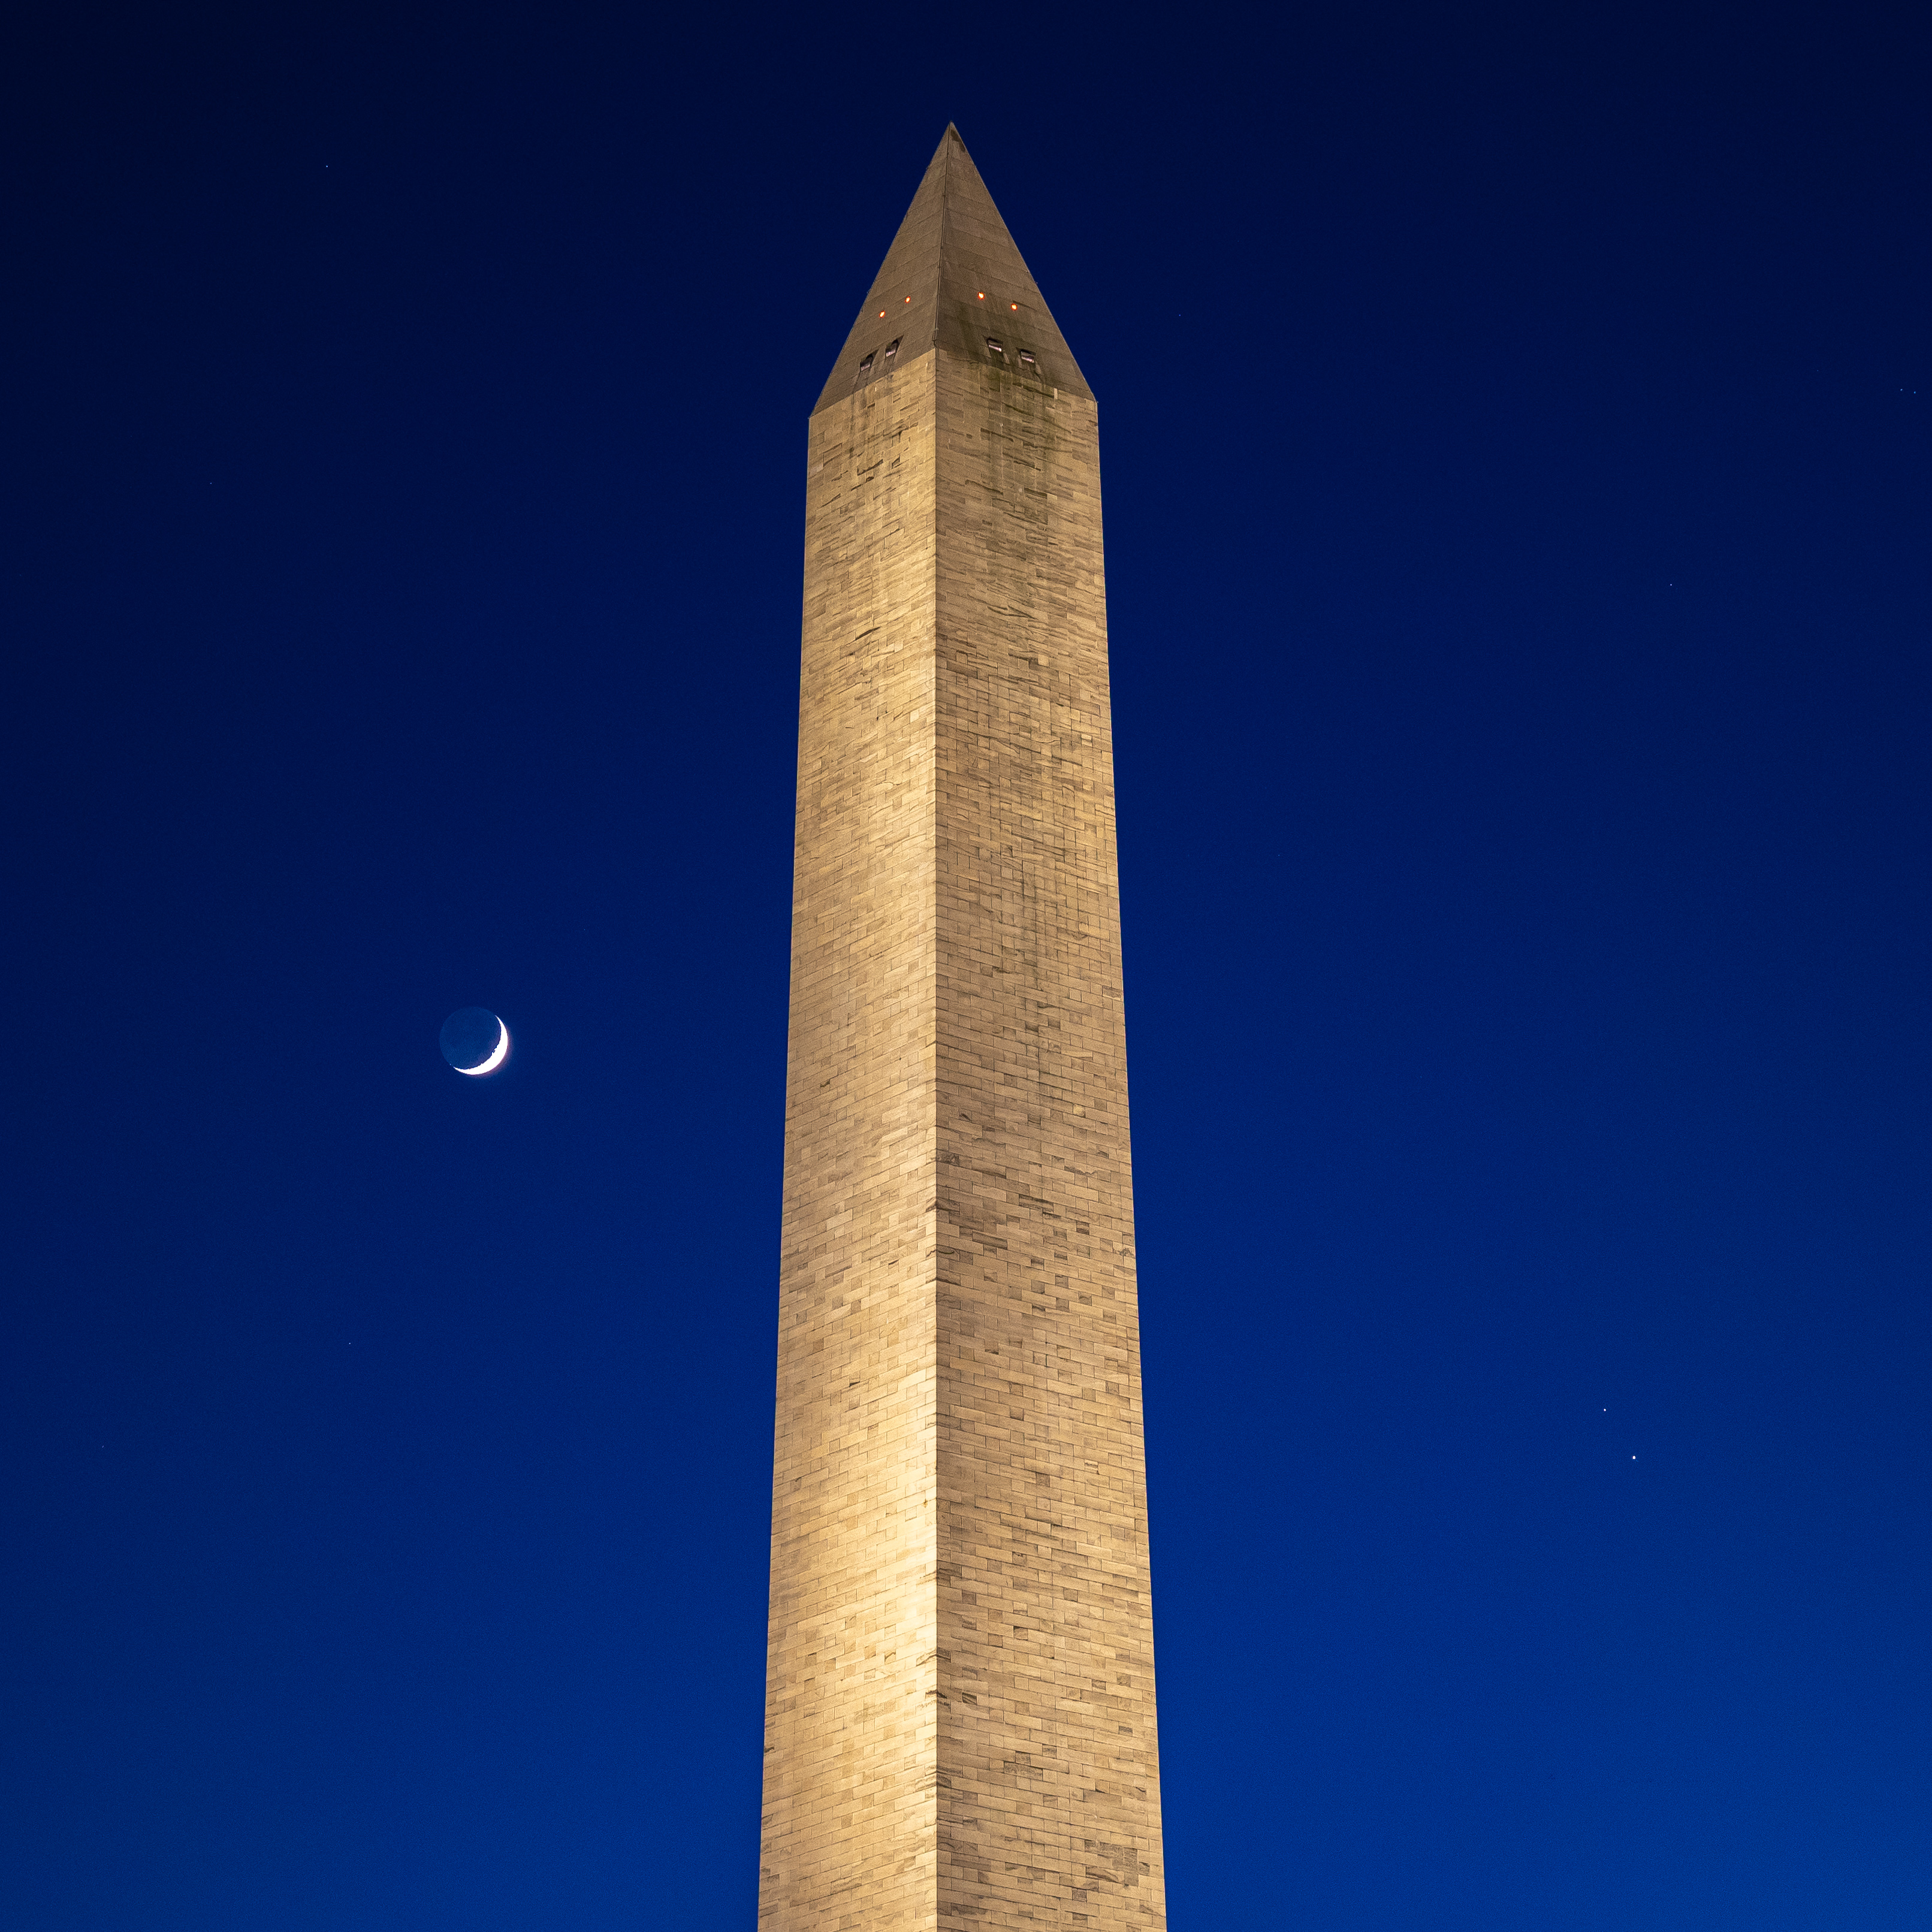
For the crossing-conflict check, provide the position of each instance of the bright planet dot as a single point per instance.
(474, 1040)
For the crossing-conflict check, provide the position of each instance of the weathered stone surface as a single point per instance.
(960, 1709)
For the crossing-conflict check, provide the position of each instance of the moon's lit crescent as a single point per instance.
(496, 1052)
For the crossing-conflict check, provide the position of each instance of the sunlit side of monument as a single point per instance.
(960, 1701)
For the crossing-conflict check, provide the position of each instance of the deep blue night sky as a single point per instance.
(1515, 435)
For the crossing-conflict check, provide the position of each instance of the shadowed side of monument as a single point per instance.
(960, 1712)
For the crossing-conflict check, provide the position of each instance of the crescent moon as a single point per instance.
(497, 1053)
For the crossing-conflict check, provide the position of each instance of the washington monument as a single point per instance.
(959, 1714)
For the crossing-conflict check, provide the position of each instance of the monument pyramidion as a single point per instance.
(959, 1725)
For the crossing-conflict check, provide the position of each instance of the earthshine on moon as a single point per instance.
(475, 1041)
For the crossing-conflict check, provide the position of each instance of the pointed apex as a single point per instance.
(954, 280)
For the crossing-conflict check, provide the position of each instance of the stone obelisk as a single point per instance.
(959, 1726)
